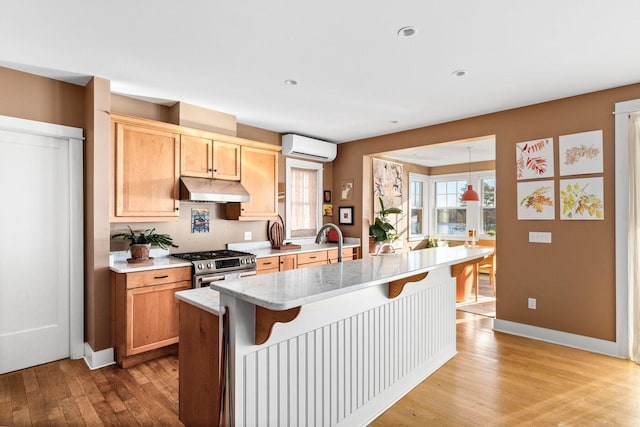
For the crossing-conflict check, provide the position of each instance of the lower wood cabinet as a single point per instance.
(266, 265)
(312, 259)
(144, 313)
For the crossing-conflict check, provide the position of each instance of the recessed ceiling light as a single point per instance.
(458, 73)
(290, 82)
(393, 121)
(406, 32)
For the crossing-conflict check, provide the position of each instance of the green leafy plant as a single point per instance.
(146, 237)
(381, 229)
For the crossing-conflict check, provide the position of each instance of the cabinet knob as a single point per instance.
(177, 209)
(210, 170)
(215, 170)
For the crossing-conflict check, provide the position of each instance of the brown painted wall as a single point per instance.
(573, 278)
(31, 97)
(97, 232)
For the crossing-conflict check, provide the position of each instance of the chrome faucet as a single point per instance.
(335, 227)
(393, 250)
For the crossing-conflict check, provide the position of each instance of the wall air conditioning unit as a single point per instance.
(304, 147)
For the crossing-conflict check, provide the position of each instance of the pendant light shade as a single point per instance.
(470, 195)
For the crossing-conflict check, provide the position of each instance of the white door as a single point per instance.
(37, 238)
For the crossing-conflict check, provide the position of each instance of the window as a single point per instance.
(452, 216)
(418, 206)
(450, 212)
(488, 208)
(303, 198)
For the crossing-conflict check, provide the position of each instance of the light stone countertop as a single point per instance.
(122, 266)
(204, 298)
(267, 252)
(288, 289)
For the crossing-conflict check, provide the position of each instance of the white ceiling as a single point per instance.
(448, 153)
(356, 77)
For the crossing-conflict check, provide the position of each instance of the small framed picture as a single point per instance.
(345, 216)
(346, 192)
(327, 209)
(327, 196)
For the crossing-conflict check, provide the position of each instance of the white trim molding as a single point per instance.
(595, 345)
(98, 359)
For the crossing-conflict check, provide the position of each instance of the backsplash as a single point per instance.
(221, 231)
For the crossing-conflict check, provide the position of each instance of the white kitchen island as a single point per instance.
(338, 344)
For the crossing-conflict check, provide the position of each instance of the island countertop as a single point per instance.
(293, 288)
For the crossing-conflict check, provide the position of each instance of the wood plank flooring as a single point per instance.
(67, 393)
(495, 379)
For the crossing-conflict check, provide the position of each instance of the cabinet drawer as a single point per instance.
(158, 277)
(347, 254)
(268, 263)
(312, 257)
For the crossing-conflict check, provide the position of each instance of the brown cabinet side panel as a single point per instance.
(199, 364)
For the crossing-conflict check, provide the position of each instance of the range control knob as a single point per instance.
(200, 266)
(243, 261)
(208, 265)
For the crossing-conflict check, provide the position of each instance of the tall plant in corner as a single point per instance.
(381, 229)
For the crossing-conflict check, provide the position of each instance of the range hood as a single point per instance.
(212, 190)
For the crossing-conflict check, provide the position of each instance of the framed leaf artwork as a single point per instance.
(581, 153)
(534, 159)
(536, 200)
(582, 199)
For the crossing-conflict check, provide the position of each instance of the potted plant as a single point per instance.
(140, 243)
(381, 230)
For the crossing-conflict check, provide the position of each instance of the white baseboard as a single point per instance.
(595, 345)
(98, 359)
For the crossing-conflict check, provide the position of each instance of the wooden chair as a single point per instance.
(488, 265)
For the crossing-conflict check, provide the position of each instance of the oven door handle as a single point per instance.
(209, 279)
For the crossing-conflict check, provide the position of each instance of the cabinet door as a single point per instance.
(152, 317)
(259, 175)
(226, 161)
(146, 172)
(288, 262)
(196, 156)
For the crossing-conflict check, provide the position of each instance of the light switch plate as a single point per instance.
(247, 235)
(539, 237)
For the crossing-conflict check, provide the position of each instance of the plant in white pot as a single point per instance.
(140, 243)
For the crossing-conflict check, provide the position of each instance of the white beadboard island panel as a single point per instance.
(349, 354)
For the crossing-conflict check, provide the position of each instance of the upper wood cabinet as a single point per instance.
(146, 173)
(148, 158)
(206, 158)
(259, 175)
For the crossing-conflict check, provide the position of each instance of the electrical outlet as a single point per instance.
(532, 303)
(539, 237)
(247, 235)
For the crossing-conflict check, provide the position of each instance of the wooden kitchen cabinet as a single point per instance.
(347, 255)
(267, 265)
(145, 313)
(146, 172)
(259, 175)
(207, 158)
(288, 262)
(312, 259)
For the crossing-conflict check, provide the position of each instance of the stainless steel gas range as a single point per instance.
(211, 266)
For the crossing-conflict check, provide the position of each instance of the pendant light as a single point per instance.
(470, 195)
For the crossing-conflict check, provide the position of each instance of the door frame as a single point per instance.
(622, 111)
(76, 217)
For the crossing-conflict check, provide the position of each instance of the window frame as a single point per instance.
(474, 211)
(302, 164)
(426, 212)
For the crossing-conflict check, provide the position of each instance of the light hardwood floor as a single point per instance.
(495, 379)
